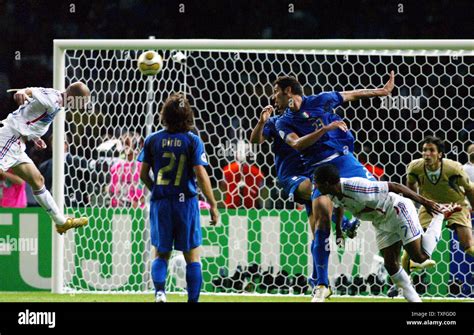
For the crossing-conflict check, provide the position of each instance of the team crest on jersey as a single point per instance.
(305, 115)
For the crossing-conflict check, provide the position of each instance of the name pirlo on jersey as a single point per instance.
(447, 186)
(34, 117)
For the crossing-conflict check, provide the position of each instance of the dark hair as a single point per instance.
(326, 173)
(176, 114)
(434, 140)
(286, 81)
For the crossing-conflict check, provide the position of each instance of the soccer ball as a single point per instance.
(150, 63)
(177, 267)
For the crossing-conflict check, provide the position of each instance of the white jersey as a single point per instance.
(33, 118)
(469, 168)
(365, 199)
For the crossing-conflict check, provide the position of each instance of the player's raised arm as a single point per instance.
(370, 93)
(206, 188)
(430, 206)
(257, 133)
(303, 142)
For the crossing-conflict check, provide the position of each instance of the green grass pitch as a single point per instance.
(176, 297)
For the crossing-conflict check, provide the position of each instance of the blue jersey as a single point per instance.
(315, 112)
(288, 162)
(172, 157)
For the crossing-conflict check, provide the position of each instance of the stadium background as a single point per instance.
(30, 26)
(37, 24)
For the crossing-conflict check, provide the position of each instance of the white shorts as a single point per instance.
(401, 224)
(12, 149)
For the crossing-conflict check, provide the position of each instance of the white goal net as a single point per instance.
(262, 243)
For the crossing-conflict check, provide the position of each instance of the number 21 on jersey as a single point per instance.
(167, 170)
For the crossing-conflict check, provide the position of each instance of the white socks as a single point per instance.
(432, 235)
(44, 198)
(402, 280)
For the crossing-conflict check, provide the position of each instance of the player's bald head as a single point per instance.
(78, 89)
(77, 96)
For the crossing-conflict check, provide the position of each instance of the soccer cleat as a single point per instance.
(312, 282)
(349, 227)
(393, 291)
(406, 262)
(71, 223)
(321, 293)
(160, 296)
(429, 263)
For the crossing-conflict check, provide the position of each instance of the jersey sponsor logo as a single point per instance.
(282, 134)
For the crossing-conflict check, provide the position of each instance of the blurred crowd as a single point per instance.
(29, 27)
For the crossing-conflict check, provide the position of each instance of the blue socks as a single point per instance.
(158, 273)
(193, 277)
(314, 275)
(194, 281)
(321, 256)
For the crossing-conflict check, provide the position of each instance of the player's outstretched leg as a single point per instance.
(30, 174)
(159, 269)
(193, 274)
(322, 211)
(430, 239)
(398, 275)
(303, 192)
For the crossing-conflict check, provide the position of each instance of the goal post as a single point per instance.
(264, 247)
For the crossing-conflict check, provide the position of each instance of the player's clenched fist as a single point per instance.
(266, 113)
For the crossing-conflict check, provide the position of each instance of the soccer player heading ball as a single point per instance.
(36, 111)
(176, 156)
(310, 126)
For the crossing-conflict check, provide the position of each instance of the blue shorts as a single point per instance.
(348, 167)
(174, 222)
(289, 186)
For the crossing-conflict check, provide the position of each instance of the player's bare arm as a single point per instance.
(11, 178)
(339, 212)
(145, 176)
(431, 206)
(39, 143)
(370, 93)
(257, 132)
(22, 95)
(412, 186)
(205, 186)
(301, 143)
